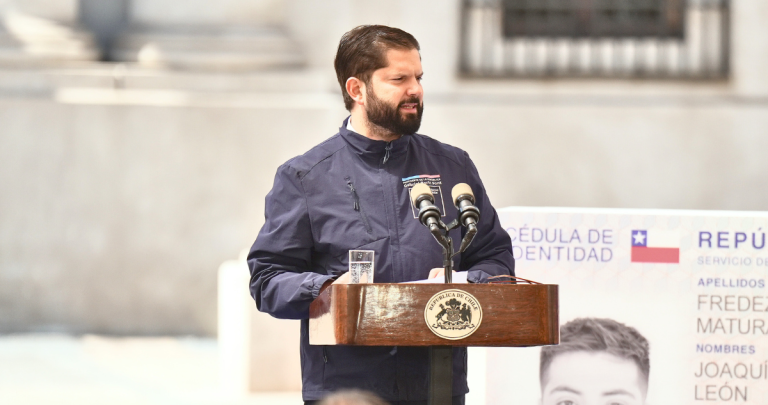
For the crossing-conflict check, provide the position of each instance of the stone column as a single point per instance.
(105, 19)
(257, 353)
(230, 35)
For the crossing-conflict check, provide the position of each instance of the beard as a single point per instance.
(388, 116)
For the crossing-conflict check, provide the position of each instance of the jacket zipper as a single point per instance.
(387, 149)
(357, 207)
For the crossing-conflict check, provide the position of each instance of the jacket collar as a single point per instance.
(368, 148)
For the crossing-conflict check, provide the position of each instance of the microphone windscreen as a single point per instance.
(420, 189)
(461, 189)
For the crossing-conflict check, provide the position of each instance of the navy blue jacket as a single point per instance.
(351, 192)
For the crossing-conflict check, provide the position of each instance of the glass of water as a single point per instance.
(361, 266)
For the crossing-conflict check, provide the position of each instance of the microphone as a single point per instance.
(464, 200)
(429, 215)
(422, 198)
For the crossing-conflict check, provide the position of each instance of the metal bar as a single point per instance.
(662, 57)
(640, 61)
(617, 57)
(725, 38)
(550, 68)
(594, 56)
(508, 57)
(448, 260)
(463, 42)
(528, 57)
(572, 55)
(705, 50)
(487, 28)
(682, 49)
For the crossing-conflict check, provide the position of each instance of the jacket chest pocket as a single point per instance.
(355, 199)
(344, 216)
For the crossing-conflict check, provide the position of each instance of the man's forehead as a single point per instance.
(402, 59)
(594, 369)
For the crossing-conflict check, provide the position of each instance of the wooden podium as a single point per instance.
(396, 315)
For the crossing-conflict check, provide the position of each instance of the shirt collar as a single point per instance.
(349, 124)
(370, 148)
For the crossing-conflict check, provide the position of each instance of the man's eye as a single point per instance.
(566, 402)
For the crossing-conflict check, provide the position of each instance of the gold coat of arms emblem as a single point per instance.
(453, 314)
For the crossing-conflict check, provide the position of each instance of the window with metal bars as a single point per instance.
(592, 18)
(596, 38)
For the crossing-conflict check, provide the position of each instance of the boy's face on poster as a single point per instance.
(592, 378)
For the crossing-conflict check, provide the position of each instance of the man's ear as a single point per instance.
(356, 89)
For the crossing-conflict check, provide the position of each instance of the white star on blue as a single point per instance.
(640, 238)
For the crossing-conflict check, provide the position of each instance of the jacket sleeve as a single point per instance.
(282, 282)
(490, 253)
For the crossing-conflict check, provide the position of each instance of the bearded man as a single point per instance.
(352, 192)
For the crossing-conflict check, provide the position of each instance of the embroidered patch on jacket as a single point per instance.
(435, 184)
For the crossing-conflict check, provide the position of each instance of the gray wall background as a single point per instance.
(118, 205)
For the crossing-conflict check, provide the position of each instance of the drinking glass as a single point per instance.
(361, 266)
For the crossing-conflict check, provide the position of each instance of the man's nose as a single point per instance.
(415, 89)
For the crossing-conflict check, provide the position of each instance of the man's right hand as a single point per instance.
(345, 278)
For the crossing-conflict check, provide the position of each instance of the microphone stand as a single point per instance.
(439, 231)
(441, 357)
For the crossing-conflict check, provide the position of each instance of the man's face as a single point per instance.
(394, 96)
(592, 378)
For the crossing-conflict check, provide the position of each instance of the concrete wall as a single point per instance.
(116, 209)
(224, 12)
(114, 219)
(436, 24)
